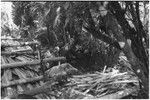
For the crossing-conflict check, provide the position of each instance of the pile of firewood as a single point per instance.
(21, 75)
(99, 84)
(20, 68)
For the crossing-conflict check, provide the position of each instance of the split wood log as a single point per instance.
(120, 94)
(117, 95)
(22, 81)
(21, 44)
(36, 62)
(14, 39)
(21, 52)
(42, 89)
(26, 50)
(81, 95)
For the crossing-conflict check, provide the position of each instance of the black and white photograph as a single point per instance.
(74, 49)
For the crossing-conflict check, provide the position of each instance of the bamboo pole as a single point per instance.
(36, 62)
(22, 81)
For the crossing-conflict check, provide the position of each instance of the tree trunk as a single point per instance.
(137, 66)
(113, 27)
(137, 45)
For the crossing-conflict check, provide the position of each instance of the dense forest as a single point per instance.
(91, 35)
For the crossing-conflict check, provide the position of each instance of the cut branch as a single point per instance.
(103, 37)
